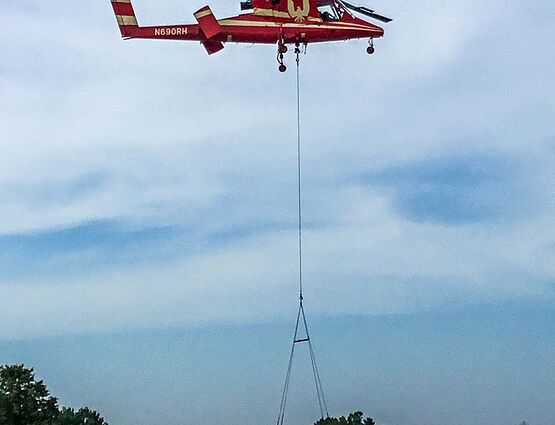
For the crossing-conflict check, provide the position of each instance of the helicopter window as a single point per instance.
(328, 13)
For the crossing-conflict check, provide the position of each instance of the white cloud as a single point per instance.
(174, 134)
(372, 263)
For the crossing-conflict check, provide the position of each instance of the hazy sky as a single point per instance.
(148, 207)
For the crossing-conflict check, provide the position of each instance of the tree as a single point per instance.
(26, 401)
(355, 418)
(83, 416)
(23, 399)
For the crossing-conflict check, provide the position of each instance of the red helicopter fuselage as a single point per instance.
(269, 21)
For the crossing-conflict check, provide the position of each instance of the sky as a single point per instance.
(148, 263)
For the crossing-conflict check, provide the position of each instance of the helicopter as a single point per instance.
(278, 22)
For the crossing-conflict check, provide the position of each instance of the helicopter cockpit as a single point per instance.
(329, 10)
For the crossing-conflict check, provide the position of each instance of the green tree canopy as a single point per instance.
(83, 416)
(355, 418)
(26, 401)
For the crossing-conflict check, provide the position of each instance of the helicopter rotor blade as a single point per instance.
(368, 12)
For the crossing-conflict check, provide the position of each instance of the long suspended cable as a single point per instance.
(299, 181)
(296, 339)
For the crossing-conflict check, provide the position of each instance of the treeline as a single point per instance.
(356, 418)
(26, 401)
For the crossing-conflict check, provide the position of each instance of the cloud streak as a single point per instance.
(144, 184)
